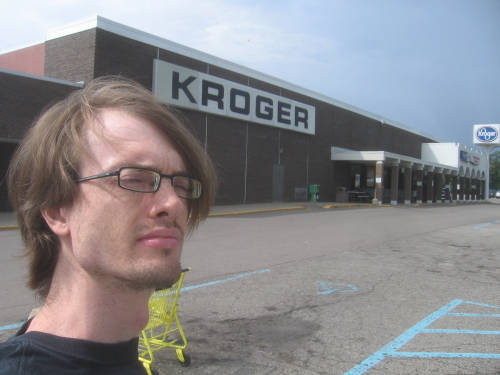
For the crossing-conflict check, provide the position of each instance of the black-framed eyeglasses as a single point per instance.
(145, 180)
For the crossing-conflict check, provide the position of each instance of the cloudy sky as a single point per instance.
(431, 65)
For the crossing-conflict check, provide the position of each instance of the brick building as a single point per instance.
(270, 140)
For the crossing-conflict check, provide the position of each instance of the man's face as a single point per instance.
(129, 238)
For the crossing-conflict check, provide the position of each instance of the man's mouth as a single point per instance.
(162, 238)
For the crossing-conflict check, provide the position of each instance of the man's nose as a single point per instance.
(166, 200)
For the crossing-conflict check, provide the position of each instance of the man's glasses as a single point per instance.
(148, 181)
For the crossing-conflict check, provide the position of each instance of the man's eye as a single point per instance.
(183, 184)
(137, 179)
(132, 179)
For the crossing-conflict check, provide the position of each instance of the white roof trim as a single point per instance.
(375, 156)
(41, 78)
(72, 28)
(141, 36)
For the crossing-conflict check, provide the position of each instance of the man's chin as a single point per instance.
(155, 279)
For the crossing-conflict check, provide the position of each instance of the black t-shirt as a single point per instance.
(37, 353)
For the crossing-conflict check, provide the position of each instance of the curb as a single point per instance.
(455, 203)
(9, 227)
(295, 208)
(350, 205)
(231, 213)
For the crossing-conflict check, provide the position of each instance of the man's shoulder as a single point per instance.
(37, 353)
(23, 355)
(11, 355)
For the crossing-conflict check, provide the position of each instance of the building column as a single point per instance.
(438, 184)
(482, 185)
(461, 188)
(420, 183)
(453, 188)
(429, 179)
(379, 183)
(467, 188)
(407, 184)
(394, 183)
(447, 186)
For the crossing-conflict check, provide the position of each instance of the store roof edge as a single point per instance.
(147, 38)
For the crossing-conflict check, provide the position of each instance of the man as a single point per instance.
(105, 186)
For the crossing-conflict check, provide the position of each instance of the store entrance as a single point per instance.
(362, 187)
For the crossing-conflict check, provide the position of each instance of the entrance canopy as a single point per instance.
(427, 180)
(389, 158)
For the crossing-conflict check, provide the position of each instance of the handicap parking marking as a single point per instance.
(391, 350)
(329, 288)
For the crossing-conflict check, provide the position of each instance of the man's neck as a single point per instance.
(93, 313)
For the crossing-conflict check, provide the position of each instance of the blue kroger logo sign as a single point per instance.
(486, 134)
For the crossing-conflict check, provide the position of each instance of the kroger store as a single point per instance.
(270, 140)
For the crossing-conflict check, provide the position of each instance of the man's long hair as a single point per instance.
(43, 170)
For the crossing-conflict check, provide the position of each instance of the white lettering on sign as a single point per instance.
(187, 88)
(487, 134)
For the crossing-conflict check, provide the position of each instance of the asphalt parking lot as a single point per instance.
(398, 290)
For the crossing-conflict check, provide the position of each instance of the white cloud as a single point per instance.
(252, 35)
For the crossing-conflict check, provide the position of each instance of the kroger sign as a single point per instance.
(486, 133)
(187, 88)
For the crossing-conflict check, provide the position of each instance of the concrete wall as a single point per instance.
(441, 153)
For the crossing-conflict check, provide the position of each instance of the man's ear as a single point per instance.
(56, 219)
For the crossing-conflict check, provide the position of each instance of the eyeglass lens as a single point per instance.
(144, 180)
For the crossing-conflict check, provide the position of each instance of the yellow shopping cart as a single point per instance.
(163, 329)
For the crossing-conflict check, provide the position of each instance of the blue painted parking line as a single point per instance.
(481, 226)
(444, 355)
(467, 331)
(210, 283)
(481, 304)
(484, 225)
(391, 350)
(475, 315)
(10, 326)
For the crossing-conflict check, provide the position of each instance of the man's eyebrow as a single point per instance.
(136, 164)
